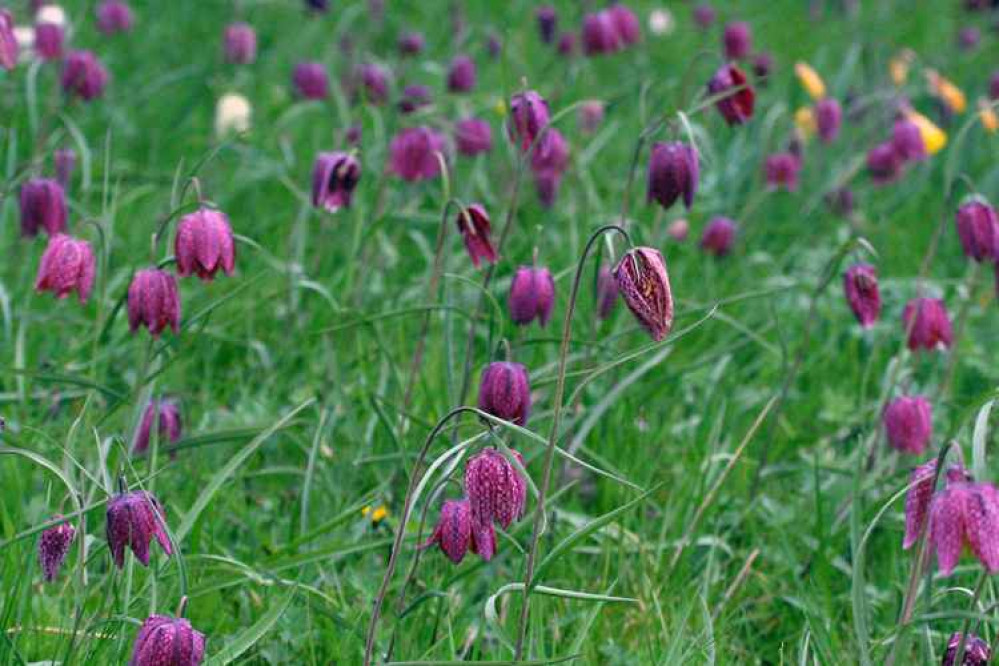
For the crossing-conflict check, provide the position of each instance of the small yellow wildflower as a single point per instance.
(946, 91)
(804, 120)
(500, 108)
(810, 80)
(376, 515)
(898, 66)
(987, 114)
(934, 138)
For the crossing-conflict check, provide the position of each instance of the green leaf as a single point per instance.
(253, 633)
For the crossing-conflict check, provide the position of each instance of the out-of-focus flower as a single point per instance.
(43, 206)
(763, 64)
(165, 413)
(678, 230)
(50, 13)
(810, 80)
(718, 236)
(532, 295)
(67, 265)
(607, 292)
(375, 514)
(83, 75)
(934, 138)
(987, 114)
(239, 43)
(133, 520)
(493, 45)
(453, 532)
(860, 282)
(704, 16)
(626, 24)
(52, 548)
(884, 164)
(310, 80)
(840, 201)
(473, 136)
(505, 392)
(782, 171)
(590, 115)
(976, 651)
(567, 43)
(805, 121)
(736, 106)
(114, 16)
(917, 501)
(978, 229)
(907, 140)
(8, 42)
(528, 116)
(204, 244)
(547, 22)
(461, 77)
(168, 641)
(474, 227)
(413, 153)
(372, 81)
(898, 66)
(969, 38)
(643, 281)
(411, 43)
(828, 118)
(965, 513)
(49, 39)
(930, 324)
(661, 22)
(909, 424)
(414, 97)
(949, 94)
(994, 86)
(334, 177)
(737, 40)
(233, 113)
(153, 302)
(549, 164)
(674, 172)
(600, 35)
(65, 162)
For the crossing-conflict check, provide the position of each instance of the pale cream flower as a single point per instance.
(232, 114)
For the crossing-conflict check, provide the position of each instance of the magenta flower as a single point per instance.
(567, 43)
(168, 641)
(600, 34)
(931, 328)
(334, 177)
(909, 424)
(528, 116)
(310, 80)
(114, 16)
(976, 651)
(67, 265)
(994, 86)
(153, 302)
(965, 513)
(718, 236)
(969, 37)
(678, 230)
(43, 206)
(607, 292)
(505, 392)
(373, 80)
(674, 171)
(453, 532)
(474, 227)
(763, 64)
(917, 501)
(704, 16)
(907, 141)
(240, 44)
(782, 171)
(549, 162)
(204, 245)
(413, 153)
(978, 229)
(133, 520)
(473, 136)
(828, 118)
(496, 492)
(737, 40)
(8, 43)
(547, 22)
(532, 295)
(83, 75)
(414, 97)
(860, 282)
(626, 23)
(884, 164)
(65, 162)
(52, 548)
(461, 76)
(49, 38)
(411, 43)
(736, 106)
(164, 412)
(644, 282)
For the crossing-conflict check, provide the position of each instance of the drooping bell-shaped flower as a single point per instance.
(965, 513)
(738, 98)
(643, 281)
(461, 76)
(114, 16)
(239, 44)
(67, 265)
(310, 80)
(884, 164)
(43, 206)
(474, 227)
(547, 23)
(453, 532)
(133, 520)
(168, 641)
(590, 115)
(49, 40)
(83, 75)
(496, 493)
(413, 153)
(907, 141)
(978, 229)
(204, 244)
(334, 177)
(532, 295)
(65, 162)
(153, 302)
(704, 16)
(505, 392)
(607, 292)
(860, 282)
(930, 324)
(828, 119)
(737, 40)
(548, 163)
(600, 35)
(782, 171)
(473, 136)
(528, 116)
(763, 65)
(917, 500)
(8, 42)
(411, 43)
(909, 424)
(415, 97)
(165, 413)
(52, 548)
(976, 651)
(372, 82)
(718, 236)
(674, 172)
(626, 24)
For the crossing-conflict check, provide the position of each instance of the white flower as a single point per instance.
(24, 35)
(661, 22)
(51, 14)
(232, 114)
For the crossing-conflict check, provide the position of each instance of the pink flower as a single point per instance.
(907, 141)
(473, 136)
(168, 641)
(8, 43)
(165, 413)
(153, 302)
(496, 492)
(718, 236)
(782, 171)
(965, 513)
(909, 424)
(49, 39)
(133, 520)
(334, 177)
(505, 392)
(52, 548)
(528, 116)
(413, 153)
(43, 205)
(240, 44)
(644, 282)
(532, 295)
(474, 226)
(114, 16)
(861, 286)
(931, 328)
(67, 265)
(204, 244)
(978, 229)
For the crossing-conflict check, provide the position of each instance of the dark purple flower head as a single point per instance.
(532, 295)
(976, 651)
(567, 43)
(626, 23)
(600, 34)
(907, 141)
(965, 513)
(978, 229)
(547, 21)
(43, 206)
(52, 548)
(461, 76)
(65, 162)
(8, 42)
(474, 227)
(718, 236)
(884, 164)
(49, 38)
(67, 265)
(413, 153)
(239, 43)
(414, 97)
(153, 302)
(590, 115)
(310, 80)
(860, 282)
(674, 172)
(453, 532)
(334, 177)
(133, 519)
(763, 65)
(969, 38)
(736, 107)
(528, 115)
(497, 492)
(411, 43)
(644, 282)
(704, 16)
(994, 86)
(782, 171)
(931, 327)
(607, 292)
(909, 424)
(371, 81)
(168, 641)
(737, 40)
(114, 16)
(505, 392)
(828, 118)
(473, 136)
(83, 75)
(166, 413)
(204, 244)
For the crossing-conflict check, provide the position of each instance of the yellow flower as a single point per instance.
(987, 113)
(934, 138)
(500, 108)
(810, 80)
(947, 91)
(898, 66)
(804, 119)
(376, 515)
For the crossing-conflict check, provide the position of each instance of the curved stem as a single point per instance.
(539, 512)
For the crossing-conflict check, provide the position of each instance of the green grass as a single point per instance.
(292, 373)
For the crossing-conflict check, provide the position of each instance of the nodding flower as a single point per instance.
(674, 172)
(49, 39)
(461, 76)
(240, 44)
(205, 245)
(473, 136)
(413, 153)
(860, 282)
(474, 227)
(547, 22)
(497, 492)
(928, 324)
(310, 80)
(67, 265)
(917, 500)
(83, 75)
(828, 119)
(334, 177)
(453, 532)
(607, 292)
(907, 141)
(52, 548)
(114, 16)
(153, 302)
(532, 295)
(168, 641)
(626, 23)
(884, 164)
(909, 424)
(976, 651)
(978, 229)
(738, 98)
(528, 117)
(643, 281)
(371, 81)
(165, 415)
(505, 392)
(782, 171)
(965, 513)
(600, 35)
(133, 520)
(43, 206)
(737, 40)
(718, 236)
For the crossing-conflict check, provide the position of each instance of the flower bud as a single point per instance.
(461, 76)
(644, 282)
(884, 164)
(114, 16)
(737, 40)
(909, 424)
(860, 282)
(413, 153)
(718, 236)
(930, 325)
(736, 106)
(204, 244)
(52, 548)
(43, 205)
(240, 44)
(532, 295)
(528, 115)
(153, 302)
(978, 229)
(334, 177)
(782, 171)
(505, 392)
(547, 21)
(473, 136)
(166, 414)
(474, 227)
(67, 265)
(673, 172)
(83, 75)
(453, 532)
(310, 80)
(49, 39)
(133, 520)
(828, 118)
(168, 641)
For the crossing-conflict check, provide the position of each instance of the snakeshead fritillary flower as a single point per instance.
(168, 641)
(860, 282)
(718, 236)
(782, 171)
(909, 424)
(600, 34)
(133, 519)
(505, 392)
(976, 651)
(83, 75)
(43, 205)
(65, 162)
(240, 44)
(931, 328)
(884, 163)
(67, 265)
(528, 116)
(737, 40)
(828, 118)
(473, 136)
(334, 177)
(167, 413)
(547, 22)
(532, 295)
(114, 16)
(917, 500)
(644, 282)
(673, 172)
(549, 164)
(590, 115)
(371, 81)
(411, 43)
(453, 532)
(204, 244)
(908, 141)
(704, 16)
(965, 513)
(474, 226)
(626, 24)
(736, 106)
(310, 80)
(52, 548)
(153, 302)
(8, 43)
(978, 229)
(413, 153)
(496, 492)
(461, 77)
(49, 38)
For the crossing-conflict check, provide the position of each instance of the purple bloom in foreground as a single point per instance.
(67, 265)
(505, 392)
(334, 177)
(453, 532)
(153, 302)
(43, 206)
(166, 413)
(860, 282)
(674, 172)
(413, 153)
(204, 245)
(965, 513)
(644, 282)
(909, 424)
(168, 641)
(133, 520)
(532, 295)
(496, 492)
(52, 548)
